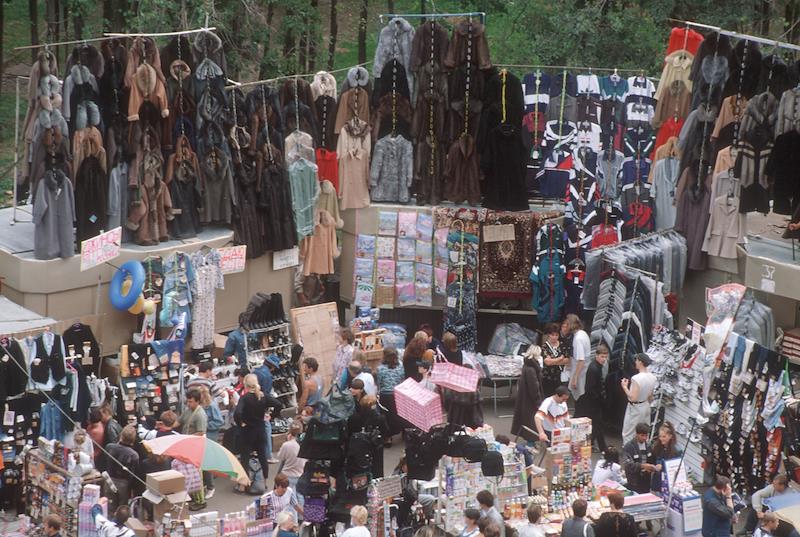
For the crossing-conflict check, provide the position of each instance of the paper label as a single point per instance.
(498, 233)
(452, 301)
(100, 249)
(232, 258)
(767, 285)
(286, 258)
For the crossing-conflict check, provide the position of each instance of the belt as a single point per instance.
(636, 402)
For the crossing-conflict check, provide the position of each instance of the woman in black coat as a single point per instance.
(249, 416)
(529, 394)
(367, 419)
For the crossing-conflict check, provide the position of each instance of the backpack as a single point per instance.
(316, 478)
(339, 405)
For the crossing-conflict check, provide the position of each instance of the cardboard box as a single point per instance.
(179, 501)
(166, 482)
(561, 436)
(140, 528)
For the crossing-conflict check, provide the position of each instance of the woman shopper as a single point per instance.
(664, 448)
(555, 360)
(608, 468)
(249, 416)
(367, 419)
(615, 523)
(639, 391)
(390, 374)
(529, 395)
(412, 355)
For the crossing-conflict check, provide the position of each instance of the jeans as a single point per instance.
(268, 430)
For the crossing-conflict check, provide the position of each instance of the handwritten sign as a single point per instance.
(232, 258)
(390, 486)
(100, 249)
(285, 258)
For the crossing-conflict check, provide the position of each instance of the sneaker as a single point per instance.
(209, 493)
(197, 506)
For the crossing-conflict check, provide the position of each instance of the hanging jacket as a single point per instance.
(218, 188)
(91, 196)
(382, 117)
(547, 283)
(207, 45)
(113, 98)
(423, 51)
(53, 216)
(395, 43)
(150, 205)
(275, 200)
(15, 380)
(503, 165)
(263, 108)
(391, 172)
(463, 33)
(87, 142)
(303, 92)
(353, 103)
(185, 186)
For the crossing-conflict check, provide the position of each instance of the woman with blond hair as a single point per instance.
(249, 416)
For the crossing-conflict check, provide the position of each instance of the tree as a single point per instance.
(362, 31)
(332, 37)
(33, 17)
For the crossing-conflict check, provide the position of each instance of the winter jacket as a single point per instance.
(275, 199)
(431, 100)
(674, 102)
(744, 83)
(462, 174)
(90, 198)
(207, 45)
(328, 201)
(353, 103)
(393, 79)
(782, 170)
(463, 33)
(762, 111)
(303, 92)
(218, 192)
(46, 65)
(319, 249)
(353, 150)
(264, 109)
(394, 43)
(547, 283)
(87, 143)
(391, 173)
(382, 124)
(503, 102)
(169, 53)
(151, 205)
(79, 86)
(113, 98)
(185, 184)
(306, 115)
(677, 67)
(41, 159)
(144, 78)
(325, 111)
(54, 217)
(788, 112)
(421, 51)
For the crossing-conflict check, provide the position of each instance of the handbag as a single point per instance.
(315, 510)
(418, 405)
(341, 404)
(316, 479)
(474, 449)
(455, 377)
(326, 433)
(492, 464)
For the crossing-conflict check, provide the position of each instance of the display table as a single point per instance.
(503, 382)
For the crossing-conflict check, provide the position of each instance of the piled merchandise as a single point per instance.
(791, 345)
(272, 343)
(150, 379)
(568, 465)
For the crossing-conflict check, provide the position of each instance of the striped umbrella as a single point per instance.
(201, 452)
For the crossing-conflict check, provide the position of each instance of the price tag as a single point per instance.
(767, 285)
(452, 302)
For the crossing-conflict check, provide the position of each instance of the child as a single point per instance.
(285, 526)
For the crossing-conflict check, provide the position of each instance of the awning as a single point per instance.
(14, 318)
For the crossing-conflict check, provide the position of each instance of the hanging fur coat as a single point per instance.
(393, 76)
(745, 82)
(169, 53)
(151, 205)
(263, 108)
(144, 78)
(79, 95)
(503, 164)
(248, 226)
(319, 249)
(91, 196)
(421, 49)
(185, 187)
(432, 100)
(207, 45)
(463, 33)
(113, 98)
(275, 200)
(53, 142)
(776, 77)
(462, 175)
(394, 43)
(218, 190)
(353, 103)
(305, 114)
(382, 117)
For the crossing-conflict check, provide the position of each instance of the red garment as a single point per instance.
(328, 167)
(677, 37)
(604, 235)
(669, 129)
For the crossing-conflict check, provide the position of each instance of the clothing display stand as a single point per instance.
(389, 16)
(263, 342)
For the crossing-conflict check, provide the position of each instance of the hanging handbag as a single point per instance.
(316, 478)
(315, 510)
(492, 464)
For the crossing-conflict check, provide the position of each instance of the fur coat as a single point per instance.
(394, 43)
(421, 46)
(463, 32)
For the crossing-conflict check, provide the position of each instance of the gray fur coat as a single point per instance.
(400, 31)
(392, 169)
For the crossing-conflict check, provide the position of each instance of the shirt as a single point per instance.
(612, 473)
(494, 515)
(194, 421)
(290, 463)
(358, 531)
(554, 414)
(581, 349)
(107, 528)
(286, 502)
(531, 530)
(369, 383)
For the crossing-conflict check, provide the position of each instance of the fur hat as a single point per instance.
(357, 77)
(324, 84)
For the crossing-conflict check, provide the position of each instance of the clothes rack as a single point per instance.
(235, 84)
(161, 34)
(63, 43)
(389, 16)
(738, 35)
(568, 67)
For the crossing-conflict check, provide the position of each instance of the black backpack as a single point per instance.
(316, 478)
(474, 449)
(492, 464)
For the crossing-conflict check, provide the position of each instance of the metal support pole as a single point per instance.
(16, 152)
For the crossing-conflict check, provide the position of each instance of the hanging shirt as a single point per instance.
(536, 91)
(305, 191)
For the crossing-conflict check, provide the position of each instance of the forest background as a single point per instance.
(269, 38)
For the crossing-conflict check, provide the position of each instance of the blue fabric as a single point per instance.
(234, 346)
(268, 429)
(547, 282)
(714, 525)
(738, 353)
(630, 174)
(214, 421)
(389, 378)
(179, 278)
(264, 378)
(52, 427)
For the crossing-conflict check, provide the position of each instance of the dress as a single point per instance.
(638, 412)
(529, 397)
(208, 278)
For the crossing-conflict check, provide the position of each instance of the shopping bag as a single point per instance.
(455, 377)
(418, 405)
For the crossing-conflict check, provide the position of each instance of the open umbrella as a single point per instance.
(201, 452)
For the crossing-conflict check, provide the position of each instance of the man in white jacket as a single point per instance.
(112, 528)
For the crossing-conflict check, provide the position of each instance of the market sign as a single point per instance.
(100, 249)
(285, 258)
(232, 258)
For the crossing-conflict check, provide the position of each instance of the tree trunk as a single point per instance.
(332, 37)
(2, 37)
(313, 35)
(390, 6)
(77, 22)
(266, 66)
(362, 31)
(289, 51)
(302, 45)
(422, 7)
(33, 17)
